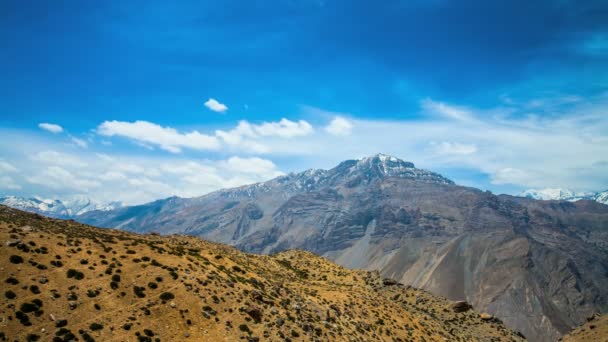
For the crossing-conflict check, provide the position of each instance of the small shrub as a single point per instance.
(244, 328)
(72, 273)
(15, 259)
(12, 281)
(167, 296)
(95, 326)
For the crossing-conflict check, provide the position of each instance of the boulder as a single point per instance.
(486, 316)
(389, 282)
(461, 306)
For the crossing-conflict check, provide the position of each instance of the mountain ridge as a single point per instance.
(58, 208)
(549, 194)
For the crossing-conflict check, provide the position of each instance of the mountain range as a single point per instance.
(540, 266)
(565, 195)
(58, 208)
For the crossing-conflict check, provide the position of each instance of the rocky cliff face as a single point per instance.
(540, 266)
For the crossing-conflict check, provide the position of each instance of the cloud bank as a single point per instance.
(509, 146)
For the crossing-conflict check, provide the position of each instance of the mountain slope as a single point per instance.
(540, 266)
(596, 329)
(63, 280)
(57, 208)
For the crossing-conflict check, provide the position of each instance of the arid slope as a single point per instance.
(62, 279)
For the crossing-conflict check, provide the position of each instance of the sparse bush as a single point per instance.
(16, 259)
(244, 328)
(72, 273)
(95, 326)
(12, 281)
(166, 296)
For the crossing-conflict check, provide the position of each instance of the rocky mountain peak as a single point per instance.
(381, 166)
(384, 164)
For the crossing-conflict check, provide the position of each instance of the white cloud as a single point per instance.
(246, 135)
(284, 129)
(166, 138)
(216, 106)
(510, 175)
(58, 158)
(79, 142)
(7, 167)
(453, 148)
(113, 176)
(339, 126)
(56, 177)
(445, 110)
(243, 136)
(50, 127)
(511, 147)
(253, 165)
(8, 183)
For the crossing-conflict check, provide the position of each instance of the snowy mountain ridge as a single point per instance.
(565, 195)
(58, 208)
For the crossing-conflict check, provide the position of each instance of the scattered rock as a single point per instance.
(486, 316)
(12, 243)
(461, 306)
(253, 312)
(389, 282)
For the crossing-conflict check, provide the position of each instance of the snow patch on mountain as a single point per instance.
(565, 195)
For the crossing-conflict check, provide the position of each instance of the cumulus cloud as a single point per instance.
(339, 126)
(50, 127)
(215, 105)
(284, 129)
(167, 138)
(247, 135)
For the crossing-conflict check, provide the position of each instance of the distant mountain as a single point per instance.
(566, 195)
(540, 266)
(58, 208)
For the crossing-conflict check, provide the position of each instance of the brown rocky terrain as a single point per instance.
(65, 281)
(595, 330)
(540, 266)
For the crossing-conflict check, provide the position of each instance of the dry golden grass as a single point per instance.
(62, 280)
(596, 329)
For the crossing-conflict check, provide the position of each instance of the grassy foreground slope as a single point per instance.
(63, 281)
(596, 329)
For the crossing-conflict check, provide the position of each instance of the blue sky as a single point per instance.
(504, 95)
